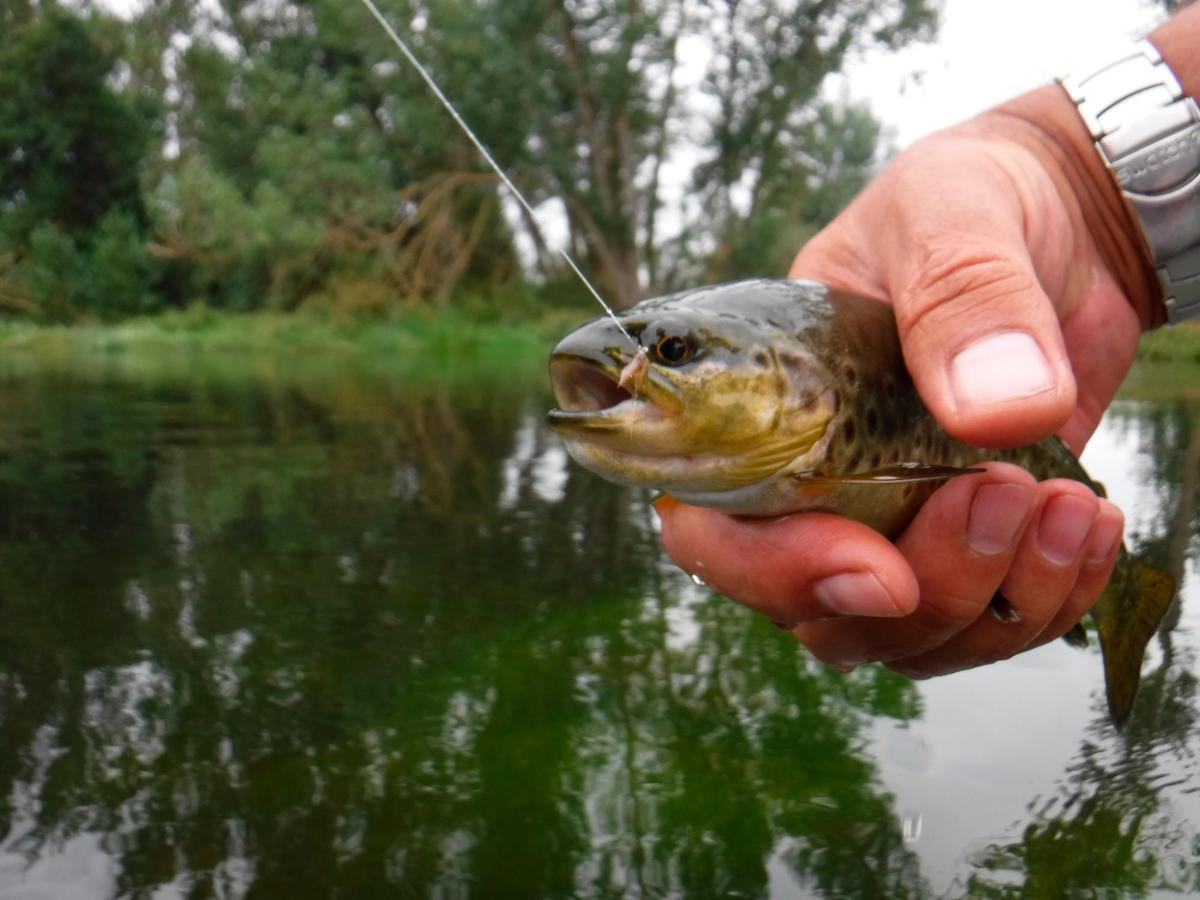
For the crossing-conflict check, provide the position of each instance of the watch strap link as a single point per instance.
(1148, 133)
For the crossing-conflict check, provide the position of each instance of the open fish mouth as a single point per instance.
(591, 399)
(583, 386)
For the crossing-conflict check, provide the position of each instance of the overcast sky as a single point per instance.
(986, 51)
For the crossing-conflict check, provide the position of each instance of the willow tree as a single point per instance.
(596, 92)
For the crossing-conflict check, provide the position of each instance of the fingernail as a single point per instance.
(855, 594)
(997, 514)
(1001, 367)
(844, 668)
(1064, 527)
(1104, 539)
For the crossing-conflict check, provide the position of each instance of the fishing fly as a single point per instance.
(483, 150)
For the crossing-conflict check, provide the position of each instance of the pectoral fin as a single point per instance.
(901, 473)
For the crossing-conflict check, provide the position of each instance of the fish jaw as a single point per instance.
(594, 407)
(608, 429)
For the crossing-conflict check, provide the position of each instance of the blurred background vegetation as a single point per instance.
(279, 155)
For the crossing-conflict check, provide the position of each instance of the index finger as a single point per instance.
(792, 569)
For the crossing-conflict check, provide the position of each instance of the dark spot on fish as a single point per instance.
(851, 375)
(761, 358)
(889, 388)
(848, 431)
(872, 422)
(875, 461)
(792, 362)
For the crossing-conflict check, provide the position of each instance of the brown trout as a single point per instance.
(771, 397)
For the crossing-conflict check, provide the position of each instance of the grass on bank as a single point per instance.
(454, 334)
(449, 334)
(1180, 344)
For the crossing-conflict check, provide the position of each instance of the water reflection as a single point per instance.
(1122, 820)
(312, 633)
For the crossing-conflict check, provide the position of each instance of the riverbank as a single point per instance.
(402, 342)
(444, 332)
(1180, 344)
(414, 338)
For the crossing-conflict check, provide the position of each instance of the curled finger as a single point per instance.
(1042, 575)
(791, 569)
(960, 546)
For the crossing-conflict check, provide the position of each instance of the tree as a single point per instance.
(70, 146)
(581, 101)
(803, 190)
(599, 97)
(70, 150)
(304, 172)
(280, 153)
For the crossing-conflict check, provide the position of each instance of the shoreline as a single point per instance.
(406, 342)
(446, 332)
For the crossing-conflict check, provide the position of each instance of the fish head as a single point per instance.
(720, 400)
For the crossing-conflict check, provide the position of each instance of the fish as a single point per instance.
(772, 397)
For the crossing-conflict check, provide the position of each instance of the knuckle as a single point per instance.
(1057, 487)
(956, 287)
(943, 615)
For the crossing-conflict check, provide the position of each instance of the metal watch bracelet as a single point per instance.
(1148, 134)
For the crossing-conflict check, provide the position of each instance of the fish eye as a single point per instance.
(673, 349)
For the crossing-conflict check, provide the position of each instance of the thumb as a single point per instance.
(943, 233)
(981, 337)
(983, 342)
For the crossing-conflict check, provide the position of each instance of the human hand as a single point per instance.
(1020, 289)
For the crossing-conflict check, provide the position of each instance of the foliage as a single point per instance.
(1180, 343)
(402, 343)
(122, 270)
(70, 151)
(52, 271)
(602, 95)
(844, 143)
(72, 145)
(278, 155)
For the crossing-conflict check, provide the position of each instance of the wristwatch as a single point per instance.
(1148, 134)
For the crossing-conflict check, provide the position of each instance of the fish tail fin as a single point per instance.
(1127, 617)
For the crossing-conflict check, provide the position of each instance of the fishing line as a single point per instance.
(437, 92)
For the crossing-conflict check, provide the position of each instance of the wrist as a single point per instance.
(1045, 123)
(1176, 41)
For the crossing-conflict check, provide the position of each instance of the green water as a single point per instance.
(288, 629)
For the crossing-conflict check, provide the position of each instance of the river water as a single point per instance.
(288, 628)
